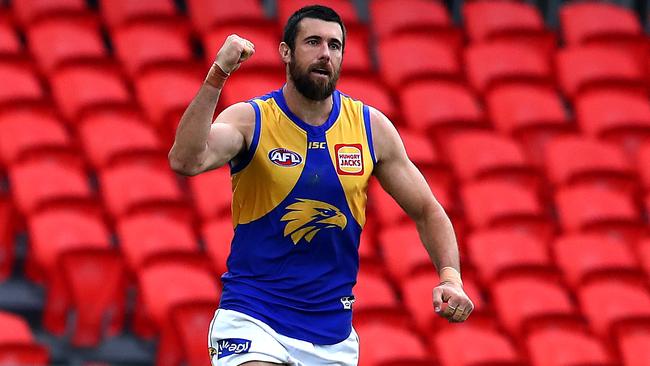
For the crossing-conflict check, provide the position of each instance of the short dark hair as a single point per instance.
(311, 11)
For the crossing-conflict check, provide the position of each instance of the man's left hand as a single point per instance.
(459, 306)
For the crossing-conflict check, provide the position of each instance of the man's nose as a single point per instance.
(324, 53)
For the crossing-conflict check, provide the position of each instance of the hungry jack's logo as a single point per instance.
(307, 217)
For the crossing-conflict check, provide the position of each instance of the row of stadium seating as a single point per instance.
(539, 153)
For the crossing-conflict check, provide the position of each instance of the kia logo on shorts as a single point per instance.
(284, 157)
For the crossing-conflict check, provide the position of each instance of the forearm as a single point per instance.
(437, 235)
(191, 142)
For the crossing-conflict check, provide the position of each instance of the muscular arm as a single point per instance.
(404, 182)
(201, 145)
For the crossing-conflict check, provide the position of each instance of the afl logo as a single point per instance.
(284, 157)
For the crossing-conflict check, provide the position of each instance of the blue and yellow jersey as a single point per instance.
(299, 199)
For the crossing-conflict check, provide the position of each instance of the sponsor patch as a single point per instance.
(347, 302)
(284, 157)
(349, 159)
(232, 346)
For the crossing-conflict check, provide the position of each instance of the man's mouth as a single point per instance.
(321, 71)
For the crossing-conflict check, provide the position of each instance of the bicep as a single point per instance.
(397, 175)
(227, 137)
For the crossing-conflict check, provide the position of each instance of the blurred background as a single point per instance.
(530, 120)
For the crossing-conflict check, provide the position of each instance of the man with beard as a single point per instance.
(300, 159)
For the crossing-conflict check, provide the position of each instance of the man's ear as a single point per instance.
(285, 52)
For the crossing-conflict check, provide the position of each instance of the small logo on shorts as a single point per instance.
(349, 159)
(231, 346)
(347, 302)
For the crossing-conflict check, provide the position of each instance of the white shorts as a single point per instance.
(235, 338)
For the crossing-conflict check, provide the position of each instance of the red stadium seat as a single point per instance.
(581, 255)
(212, 193)
(582, 22)
(558, 345)
(144, 45)
(601, 299)
(451, 107)
(428, 58)
(207, 14)
(420, 150)
(492, 20)
(14, 329)
(644, 254)
(617, 116)
(356, 60)
(581, 68)
(24, 131)
(40, 182)
(367, 243)
(524, 300)
(417, 294)
(108, 135)
(373, 292)
(7, 229)
(84, 88)
(633, 344)
(189, 322)
(265, 39)
(480, 346)
(96, 284)
(58, 42)
(17, 345)
(593, 162)
(501, 158)
(167, 285)
(52, 233)
(495, 251)
(119, 12)
(143, 236)
(247, 85)
(345, 9)
(370, 91)
(386, 343)
(9, 42)
(491, 64)
(643, 165)
(391, 17)
(503, 204)
(593, 209)
(217, 236)
(139, 185)
(31, 11)
(23, 355)
(532, 114)
(25, 86)
(403, 251)
(164, 94)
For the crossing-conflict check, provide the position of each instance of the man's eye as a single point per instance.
(335, 46)
(312, 42)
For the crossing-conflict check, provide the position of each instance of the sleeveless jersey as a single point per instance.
(299, 198)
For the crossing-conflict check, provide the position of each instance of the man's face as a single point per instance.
(316, 59)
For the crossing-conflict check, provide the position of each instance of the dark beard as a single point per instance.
(309, 88)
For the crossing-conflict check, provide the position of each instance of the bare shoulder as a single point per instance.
(241, 116)
(385, 137)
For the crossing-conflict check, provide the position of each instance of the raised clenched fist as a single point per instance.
(234, 51)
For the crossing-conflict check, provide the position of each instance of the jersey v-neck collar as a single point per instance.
(278, 96)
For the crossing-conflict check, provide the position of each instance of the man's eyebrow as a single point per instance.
(313, 37)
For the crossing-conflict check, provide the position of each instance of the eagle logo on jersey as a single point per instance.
(307, 217)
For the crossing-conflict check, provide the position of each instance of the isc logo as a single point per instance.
(316, 145)
(284, 157)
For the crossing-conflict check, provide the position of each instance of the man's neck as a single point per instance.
(312, 112)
